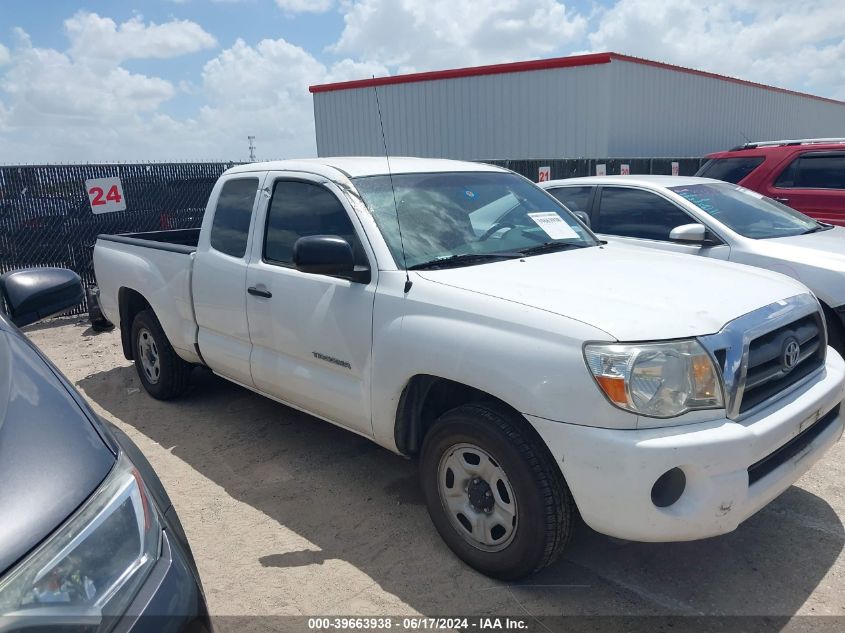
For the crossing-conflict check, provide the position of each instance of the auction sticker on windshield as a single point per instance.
(553, 225)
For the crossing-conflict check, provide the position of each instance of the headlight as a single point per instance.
(94, 564)
(660, 380)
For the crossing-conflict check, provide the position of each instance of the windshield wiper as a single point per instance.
(822, 226)
(550, 247)
(464, 258)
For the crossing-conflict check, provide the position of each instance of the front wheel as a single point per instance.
(835, 334)
(163, 374)
(493, 492)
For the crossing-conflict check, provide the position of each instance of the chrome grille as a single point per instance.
(766, 353)
(767, 373)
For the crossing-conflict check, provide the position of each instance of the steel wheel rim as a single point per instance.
(150, 360)
(465, 474)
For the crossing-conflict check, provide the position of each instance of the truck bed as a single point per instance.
(157, 266)
(177, 241)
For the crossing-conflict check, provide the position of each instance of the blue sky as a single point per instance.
(188, 79)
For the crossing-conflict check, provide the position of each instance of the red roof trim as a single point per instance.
(703, 73)
(475, 71)
(546, 64)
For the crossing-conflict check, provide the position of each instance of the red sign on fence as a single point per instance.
(105, 195)
(545, 174)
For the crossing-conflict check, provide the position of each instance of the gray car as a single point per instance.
(89, 539)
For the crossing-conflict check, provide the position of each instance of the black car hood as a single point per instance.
(51, 456)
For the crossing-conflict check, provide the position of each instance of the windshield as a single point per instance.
(747, 212)
(470, 214)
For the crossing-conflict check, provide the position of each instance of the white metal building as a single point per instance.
(592, 106)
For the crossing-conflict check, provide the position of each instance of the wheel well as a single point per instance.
(130, 303)
(424, 399)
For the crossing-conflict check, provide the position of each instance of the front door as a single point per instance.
(644, 218)
(813, 183)
(311, 334)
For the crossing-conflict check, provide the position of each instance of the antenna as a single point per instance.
(408, 282)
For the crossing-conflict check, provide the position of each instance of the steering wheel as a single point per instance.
(497, 226)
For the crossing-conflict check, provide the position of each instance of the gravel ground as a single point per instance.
(288, 515)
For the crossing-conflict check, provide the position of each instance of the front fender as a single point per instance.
(529, 359)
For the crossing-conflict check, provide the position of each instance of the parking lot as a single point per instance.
(288, 515)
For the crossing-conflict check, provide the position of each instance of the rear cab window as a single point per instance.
(230, 228)
(730, 169)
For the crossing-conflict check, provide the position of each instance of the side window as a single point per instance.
(230, 229)
(637, 213)
(814, 171)
(299, 209)
(574, 198)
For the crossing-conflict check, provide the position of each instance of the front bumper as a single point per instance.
(611, 472)
(171, 600)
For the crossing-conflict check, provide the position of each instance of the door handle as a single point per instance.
(257, 292)
(784, 200)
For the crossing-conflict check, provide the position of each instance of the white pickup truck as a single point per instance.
(456, 312)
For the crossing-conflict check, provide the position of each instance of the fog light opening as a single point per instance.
(668, 488)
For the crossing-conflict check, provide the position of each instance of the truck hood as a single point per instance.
(825, 249)
(630, 294)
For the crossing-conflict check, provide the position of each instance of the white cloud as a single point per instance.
(263, 90)
(100, 39)
(47, 87)
(412, 35)
(780, 42)
(305, 6)
(5, 55)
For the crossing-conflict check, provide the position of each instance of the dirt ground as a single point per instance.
(287, 514)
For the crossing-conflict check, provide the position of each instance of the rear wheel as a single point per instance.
(493, 492)
(163, 374)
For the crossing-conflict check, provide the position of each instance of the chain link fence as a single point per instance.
(577, 167)
(46, 216)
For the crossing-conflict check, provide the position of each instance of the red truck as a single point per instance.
(806, 174)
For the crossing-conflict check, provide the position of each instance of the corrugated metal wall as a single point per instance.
(659, 112)
(558, 112)
(607, 110)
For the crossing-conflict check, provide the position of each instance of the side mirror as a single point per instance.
(328, 255)
(37, 293)
(583, 217)
(692, 233)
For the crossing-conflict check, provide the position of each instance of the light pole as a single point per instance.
(251, 149)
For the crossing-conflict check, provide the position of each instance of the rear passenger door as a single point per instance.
(311, 333)
(813, 183)
(645, 218)
(218, 282)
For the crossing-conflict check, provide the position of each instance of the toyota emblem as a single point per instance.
(791, 352)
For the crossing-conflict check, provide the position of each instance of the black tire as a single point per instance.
(99, 322)
(835, 335)
(173, 374)
(544, 506)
